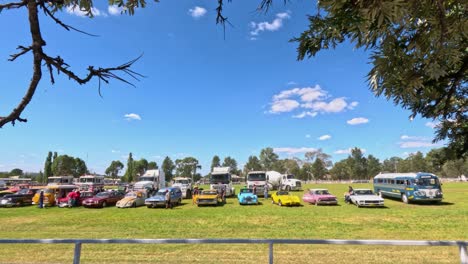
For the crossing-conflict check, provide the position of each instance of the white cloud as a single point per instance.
(324, 137)
(197, 12)
(306, 94)
(353, 105)
(115, 151)
(286, 105)
(276, 24)
(114, 10)
(307, 136)
(291, 151)
(347, 151)
(132, 116)
(75, 10)
(291, 83)
(417, 144)
(335, 106)
(406, 137)
(432, 124)
(304, 114)
(357, 121)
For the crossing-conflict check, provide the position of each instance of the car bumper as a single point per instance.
(91, 205)
(156, 203)
(330, 202)
(248, 202)
(207, 202)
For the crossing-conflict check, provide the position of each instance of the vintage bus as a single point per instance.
(59, 180)
(409, 187)
(91, 183)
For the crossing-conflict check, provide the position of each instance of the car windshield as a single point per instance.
(209, 192)
(246, 191)
(23, 191)
(102, 194)
(322, 192)
(429, 181)
(282, 193)
(363, 192)
(256, 177)
(161, 193)
(131, 194)
(289, 177)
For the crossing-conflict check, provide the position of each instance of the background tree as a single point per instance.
(392, 164)
(318, 169)
(215, 162)
(268, 158)
(418, 53)
(16, 172)
(47, 167)
(140, 167)
(373, 166)
(129, 175)
(311, 156)
(455, 168)
(358, 164)
(232, 164)
(187, 167)
(114, 168)
(341, 170)
(253, 164)
(168, 168)
(65, 165)
(55, 156)
(152, 165)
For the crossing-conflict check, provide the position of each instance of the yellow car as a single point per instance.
(53, 193)
(207, 197)
(285, 198)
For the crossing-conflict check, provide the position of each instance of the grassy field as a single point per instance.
(448, 221)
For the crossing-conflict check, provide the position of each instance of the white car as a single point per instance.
(366, 198)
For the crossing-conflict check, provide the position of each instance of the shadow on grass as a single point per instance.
(422, 203)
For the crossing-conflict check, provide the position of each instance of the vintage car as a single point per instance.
(247, 196)
(5, 192)
(103, 199)
(53, 193)
(22, 197)
(285, 198)
(159, 199)
(365, 198)
(207, 197)
(319, 197)
(64, 202)
(132, 199)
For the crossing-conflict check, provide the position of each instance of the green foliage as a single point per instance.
(152, 165)
(268, 158)
(16, 172)
(318, 169)
(455, 168)
(253, 164)
(215, 162)
(168, 168)
(114, 168)
(373, 166)
(140, 167)
(128, 6)
(129, 175)
(231, 163)
(187, 167)
(418, 53)
(47, 167)
(64, 165)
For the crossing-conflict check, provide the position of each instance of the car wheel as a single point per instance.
(380, 194)
(288, 188)
(134, 205)
(149, 206)
(279, 203)
(316, 203)
(272, 202)
(404, 198)
(179, 201)
(104, 204)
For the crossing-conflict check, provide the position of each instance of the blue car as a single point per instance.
(159, 199)
(247, 196)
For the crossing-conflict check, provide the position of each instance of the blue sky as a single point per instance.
(203, 94)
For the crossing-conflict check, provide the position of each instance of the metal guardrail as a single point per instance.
(462, 245)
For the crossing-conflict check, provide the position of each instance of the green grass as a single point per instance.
(448, 221)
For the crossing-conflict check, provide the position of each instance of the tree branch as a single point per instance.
(23, 51)
(13, 5)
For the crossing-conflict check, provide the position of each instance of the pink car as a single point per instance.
(319, 196)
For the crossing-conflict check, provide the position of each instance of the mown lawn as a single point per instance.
(448, 221)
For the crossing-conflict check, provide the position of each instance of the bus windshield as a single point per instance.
(147, 178)
(85, 180)
(427, 181)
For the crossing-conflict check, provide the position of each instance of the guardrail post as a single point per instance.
(77, 255)
(463, 254)
(270, 259)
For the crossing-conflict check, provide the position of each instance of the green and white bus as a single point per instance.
(409, 187)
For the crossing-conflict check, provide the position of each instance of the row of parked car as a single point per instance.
(246, 196)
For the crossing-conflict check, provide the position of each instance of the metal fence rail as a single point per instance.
(462, 245)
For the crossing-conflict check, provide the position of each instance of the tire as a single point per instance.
(188, 195)
(288, 188)
(149, 206)
(179, 201)
(404, 198)
(380, 194)
(104, 204)
(134, 205)
(279, 203)
(272, 202)
(316, 203)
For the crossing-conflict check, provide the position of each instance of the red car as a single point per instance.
(319, 196)
(63, 202)
(103, 199)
